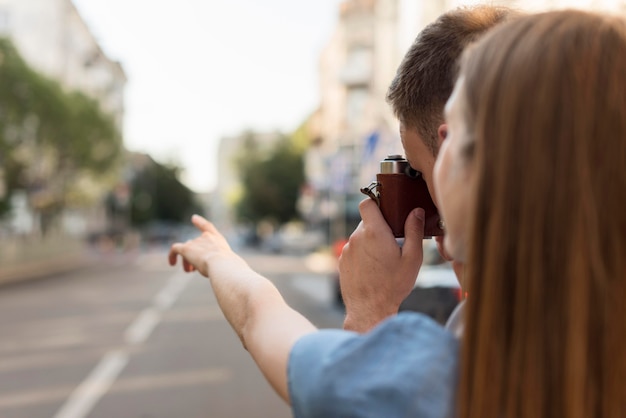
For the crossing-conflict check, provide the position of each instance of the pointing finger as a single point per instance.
(201, 223)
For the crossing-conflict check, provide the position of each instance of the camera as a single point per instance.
(398, 190)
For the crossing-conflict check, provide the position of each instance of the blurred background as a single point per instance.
(118, 120)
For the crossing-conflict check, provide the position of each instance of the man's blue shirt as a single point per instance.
(405, 367)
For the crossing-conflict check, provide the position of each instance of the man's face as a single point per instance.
(419, 155)
(422, 159)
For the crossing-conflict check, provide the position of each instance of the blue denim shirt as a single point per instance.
(405, 367)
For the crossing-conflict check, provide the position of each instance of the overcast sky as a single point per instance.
(201, 69)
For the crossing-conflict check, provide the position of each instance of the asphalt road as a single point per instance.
(131, 337)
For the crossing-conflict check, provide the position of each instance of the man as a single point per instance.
(408, 364)
(376, 275)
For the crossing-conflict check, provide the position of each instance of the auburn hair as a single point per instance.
(545, 331)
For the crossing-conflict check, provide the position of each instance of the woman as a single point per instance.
(531, 182)
(537, 128)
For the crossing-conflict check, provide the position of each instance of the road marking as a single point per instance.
(97, 384)
(171, 380)
(171, 292)
(88, 393)
(195, 314)
(142, 326)
(194, 377)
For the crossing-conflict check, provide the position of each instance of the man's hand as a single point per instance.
(376, 274)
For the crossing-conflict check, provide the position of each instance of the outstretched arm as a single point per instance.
(265, 324)
(375, 273)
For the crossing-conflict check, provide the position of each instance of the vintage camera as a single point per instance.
(398, 190)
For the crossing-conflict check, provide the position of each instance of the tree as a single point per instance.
(158, 195)
(271, 181)
(48, 135)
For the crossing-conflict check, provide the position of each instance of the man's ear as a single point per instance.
(442, 133)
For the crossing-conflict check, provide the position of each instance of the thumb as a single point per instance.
(414, 232)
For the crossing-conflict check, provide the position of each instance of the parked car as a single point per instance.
(294, 239)
(436, 293)
(337, 247)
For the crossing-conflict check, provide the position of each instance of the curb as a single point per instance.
(34, 269)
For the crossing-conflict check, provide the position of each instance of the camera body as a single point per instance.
(400, 189)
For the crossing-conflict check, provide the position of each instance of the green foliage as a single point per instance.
(301, 138)
(157, 194)
(37, 118)
(271, 181)
(92, 141)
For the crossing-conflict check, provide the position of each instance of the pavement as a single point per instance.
(33, 269)
(20, 261)
(29, 261)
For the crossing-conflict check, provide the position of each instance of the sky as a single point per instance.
(200, 70)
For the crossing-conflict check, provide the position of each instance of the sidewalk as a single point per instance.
(23, 259)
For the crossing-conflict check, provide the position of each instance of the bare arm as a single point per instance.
(376, 274)
(265, 324)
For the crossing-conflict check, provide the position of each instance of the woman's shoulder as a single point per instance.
(409, 335)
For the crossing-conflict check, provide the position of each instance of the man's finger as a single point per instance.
(370, 212)
(414, 232)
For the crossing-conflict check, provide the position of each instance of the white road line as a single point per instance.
(170, 293)
(97, 384)
(83, 399)
(142, 326)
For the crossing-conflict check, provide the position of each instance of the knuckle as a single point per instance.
(365, 204)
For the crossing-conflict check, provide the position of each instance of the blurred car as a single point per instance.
(436, 292)
(294, 239)
(337, 248)
(160, 232)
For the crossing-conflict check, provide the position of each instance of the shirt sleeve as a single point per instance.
(406, 366)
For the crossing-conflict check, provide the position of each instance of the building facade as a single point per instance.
(55, 41)
(354, 125)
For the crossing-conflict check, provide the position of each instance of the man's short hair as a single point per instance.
(426, 76)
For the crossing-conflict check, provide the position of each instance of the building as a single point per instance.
(354, 126)
(228, 189)
(54, 40)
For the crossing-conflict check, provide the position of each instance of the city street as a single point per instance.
(132, 337)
